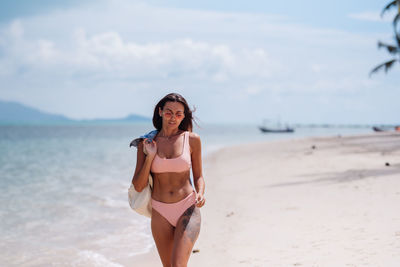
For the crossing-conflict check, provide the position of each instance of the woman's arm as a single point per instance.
(143, 165)
(197, 169)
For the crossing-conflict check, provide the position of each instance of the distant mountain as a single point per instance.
(129, 118)
(133, 117)
(14, 112)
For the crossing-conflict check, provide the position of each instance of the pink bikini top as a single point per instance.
(178, 164)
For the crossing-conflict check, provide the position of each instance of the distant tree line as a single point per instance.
(393, 49)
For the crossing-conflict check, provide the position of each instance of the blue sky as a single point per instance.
(236, 61)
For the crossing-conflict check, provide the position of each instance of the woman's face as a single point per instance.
(172, 114)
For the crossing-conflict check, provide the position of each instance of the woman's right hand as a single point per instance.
(149, 147)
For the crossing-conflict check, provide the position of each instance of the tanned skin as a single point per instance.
(174, 244)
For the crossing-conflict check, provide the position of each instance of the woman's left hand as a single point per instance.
(200, 200)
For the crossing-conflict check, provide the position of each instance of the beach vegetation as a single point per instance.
(393, 49)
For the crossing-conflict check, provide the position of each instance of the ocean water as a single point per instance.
(63, 190)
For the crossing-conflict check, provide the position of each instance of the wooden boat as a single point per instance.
(385, 129)
(274, 127)
(377, 129)
(276, 130)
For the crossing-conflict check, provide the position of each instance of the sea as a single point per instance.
(63, 189)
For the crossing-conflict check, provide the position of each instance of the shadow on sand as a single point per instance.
(346, 176)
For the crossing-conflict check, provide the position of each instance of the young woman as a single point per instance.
(175, 221)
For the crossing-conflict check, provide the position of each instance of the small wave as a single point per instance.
(113, 203)
(91, 258)
(133, 240)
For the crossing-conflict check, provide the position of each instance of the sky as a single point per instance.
(234, 61)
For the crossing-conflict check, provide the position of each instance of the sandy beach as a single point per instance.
(302, 202)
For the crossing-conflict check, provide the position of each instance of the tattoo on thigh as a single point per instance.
(191, 222)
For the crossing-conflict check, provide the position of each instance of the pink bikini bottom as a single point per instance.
(173, 211)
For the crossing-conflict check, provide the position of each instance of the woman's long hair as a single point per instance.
(186, 123)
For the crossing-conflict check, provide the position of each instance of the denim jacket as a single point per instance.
(150, 135)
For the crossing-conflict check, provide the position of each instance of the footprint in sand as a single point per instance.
(230, 214)
(291, 208)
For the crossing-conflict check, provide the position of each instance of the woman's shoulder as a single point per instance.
(194, 136)
(194, 140)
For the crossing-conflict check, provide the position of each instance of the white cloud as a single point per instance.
(121, 49)
(108, 54)
(16, 29)
(254, 89)
(372, 16)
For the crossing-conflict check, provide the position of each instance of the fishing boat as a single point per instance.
(275, 129)
(378, 129)
(385, 129)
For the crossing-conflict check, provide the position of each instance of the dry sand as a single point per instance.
(284, 203)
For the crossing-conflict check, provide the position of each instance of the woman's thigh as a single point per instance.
(163, 234)
(186, 232)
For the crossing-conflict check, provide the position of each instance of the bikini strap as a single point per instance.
(187, 142)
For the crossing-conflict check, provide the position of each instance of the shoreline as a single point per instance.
(304, 201)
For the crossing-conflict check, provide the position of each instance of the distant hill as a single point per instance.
(134, 117)
(14, 112)
(129, 118)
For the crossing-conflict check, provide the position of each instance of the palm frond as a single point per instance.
(397, 37)
(389, 6)
(395, 21)
(390, 48)
(387, 65)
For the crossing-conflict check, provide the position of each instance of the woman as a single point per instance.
(175, 221)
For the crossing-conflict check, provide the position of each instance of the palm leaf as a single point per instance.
(397, 37)
(395, 21)
(390, 48)
(387, 65)
(389, 6)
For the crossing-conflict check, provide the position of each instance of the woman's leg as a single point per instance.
(186, 232)
(163, 234)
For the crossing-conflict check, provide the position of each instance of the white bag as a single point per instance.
(141, 201)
